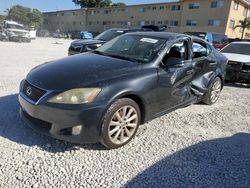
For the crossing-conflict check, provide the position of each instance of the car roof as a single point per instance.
(162, 35)
(240, 42)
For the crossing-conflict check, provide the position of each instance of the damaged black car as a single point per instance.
(104, 95)
(238, 67)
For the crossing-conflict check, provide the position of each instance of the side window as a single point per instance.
(200, 50)
(178, 51)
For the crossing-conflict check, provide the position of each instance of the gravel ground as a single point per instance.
(198, 146)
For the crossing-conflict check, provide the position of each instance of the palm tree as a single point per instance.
(244, 24)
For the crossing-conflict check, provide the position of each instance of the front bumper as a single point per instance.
(58, 120)
(238, 72)
(19, 39)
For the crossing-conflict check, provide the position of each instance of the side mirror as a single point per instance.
(173, 62)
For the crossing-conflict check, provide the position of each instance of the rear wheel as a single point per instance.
(213, 93)
(120, 124)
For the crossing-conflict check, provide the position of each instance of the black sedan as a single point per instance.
(80, 46)
(104, 95)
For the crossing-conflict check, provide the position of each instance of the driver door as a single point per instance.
(175, 76)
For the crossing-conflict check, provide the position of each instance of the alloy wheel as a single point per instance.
(215, 92)
(123, 125)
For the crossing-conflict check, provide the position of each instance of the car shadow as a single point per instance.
(223, 162)
(13, 128)
(237, 85)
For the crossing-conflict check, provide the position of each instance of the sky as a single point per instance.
(54, 5)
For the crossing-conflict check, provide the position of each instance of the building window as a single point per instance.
(107, 11)
(191, 23)
(173, 23)
(176, 7)
(161, 7)
(217, 4)
(245, 12)
(235, 5)
(166, 22)
(232, 24)
(215, 23)
(194, 6)
(159, 22)
(142, 10)
(141, 23)
(153, 8)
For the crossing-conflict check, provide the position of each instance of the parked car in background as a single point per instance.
(43, 33)
(104, 95)
(81, 35)
(3, 36)
(238, 67)
(155, 27)
(80, 46)
(60, 35)
(217, 40)
(16, 32)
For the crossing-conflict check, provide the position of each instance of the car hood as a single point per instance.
(18, 30)
(237, 57)
(81, 70)
(86, 42)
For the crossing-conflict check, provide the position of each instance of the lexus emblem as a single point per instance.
(29, 90)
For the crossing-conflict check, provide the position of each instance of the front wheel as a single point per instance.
(213, 93)
(120, 123)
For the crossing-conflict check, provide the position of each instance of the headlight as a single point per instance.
(76, 96)
(11, 33)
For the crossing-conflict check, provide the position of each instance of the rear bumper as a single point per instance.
(58, 122)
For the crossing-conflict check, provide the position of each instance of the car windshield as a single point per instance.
(13, 26)
(237, 48)
(108, 35)
(132, 47)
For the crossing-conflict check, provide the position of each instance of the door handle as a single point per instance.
(190, 72)
(212, 64)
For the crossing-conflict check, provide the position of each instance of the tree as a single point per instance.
(244, 24)
(25, 16)
(105, 3)
(119, 4)
(92, 3)
(19, 14)
(2, 18)
(35, 18)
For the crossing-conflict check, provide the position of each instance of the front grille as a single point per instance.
(236, 66)
(32, 92)
(245, 68)
(20, 34)
(37, 122)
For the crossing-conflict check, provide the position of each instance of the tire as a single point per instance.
(120, 123)
(213, 93)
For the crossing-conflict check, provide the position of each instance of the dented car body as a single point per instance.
(155, 73)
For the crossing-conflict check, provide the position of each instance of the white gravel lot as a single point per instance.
(198, 146)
